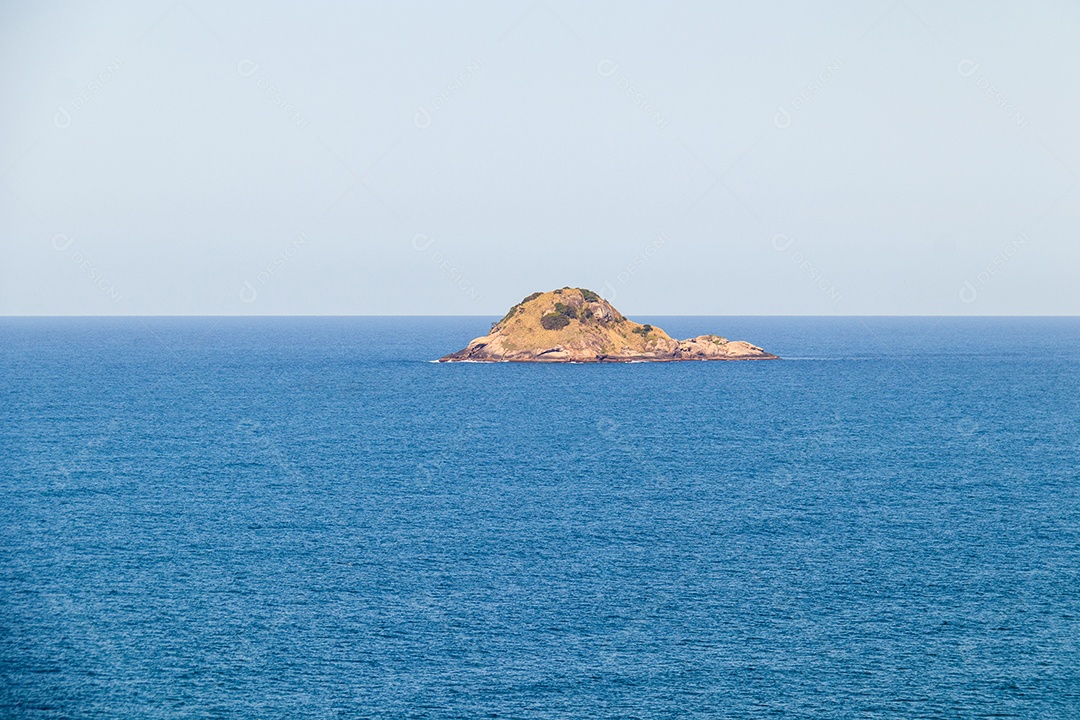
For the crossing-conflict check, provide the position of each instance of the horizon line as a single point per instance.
(443, 315)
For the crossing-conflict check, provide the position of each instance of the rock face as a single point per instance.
(576, 325)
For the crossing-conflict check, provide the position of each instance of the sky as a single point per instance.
(430, 158)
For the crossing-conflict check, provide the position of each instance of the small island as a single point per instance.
(577, 325)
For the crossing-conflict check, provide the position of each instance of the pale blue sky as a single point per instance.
(435, 158)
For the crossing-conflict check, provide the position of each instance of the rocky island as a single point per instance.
(577, 325)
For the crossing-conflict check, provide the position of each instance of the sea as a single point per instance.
(306, 517)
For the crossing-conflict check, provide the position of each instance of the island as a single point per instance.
(575, 325)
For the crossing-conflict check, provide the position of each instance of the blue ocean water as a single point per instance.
(304, 518)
